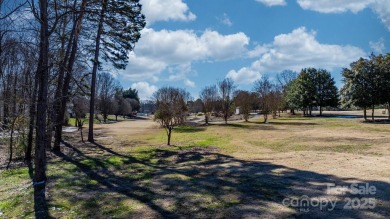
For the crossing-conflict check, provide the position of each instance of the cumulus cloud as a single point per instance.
(244, 75)
(300, 49)
(157, 10)
(380, 7)
(145, 90)
(378, 46)
(258, 50)
(271, 3)
(161, 50)
(297, 50)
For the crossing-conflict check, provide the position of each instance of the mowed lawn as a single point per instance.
(239, 170)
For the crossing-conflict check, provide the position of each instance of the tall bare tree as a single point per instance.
(107, 86)
(40, 178)
(264, 87)
(226, 89)
(245, 100)
(171, 110)
(209, 96)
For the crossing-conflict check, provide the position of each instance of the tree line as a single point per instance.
(367, 84)
(290, 91)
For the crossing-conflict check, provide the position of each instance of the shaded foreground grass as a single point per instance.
(138, 177)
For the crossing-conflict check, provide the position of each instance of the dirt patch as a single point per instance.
(132, 127)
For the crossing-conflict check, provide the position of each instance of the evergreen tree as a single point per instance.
(119, 24)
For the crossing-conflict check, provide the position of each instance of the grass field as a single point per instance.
(239, 170)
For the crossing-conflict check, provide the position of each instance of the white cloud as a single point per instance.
(300, 49)
(258, 50)
(224, 47)
(378, 46)
(271, 3)
(326, 6)
(225, 20)
(164, 10)
(143, 68)
(145, 90)
(244, 75)
(163, 50)
(380, 7)
(296, 50)
(189, 83)
(180, 73)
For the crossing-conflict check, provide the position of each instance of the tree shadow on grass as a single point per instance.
(98, 170)
(40, 203)
(202, 183)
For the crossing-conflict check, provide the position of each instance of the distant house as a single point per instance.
(238, 110)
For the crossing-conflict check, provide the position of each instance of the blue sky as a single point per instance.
(194, 43)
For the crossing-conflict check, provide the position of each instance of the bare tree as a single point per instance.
(226, 89)
(68, 52)
(11, 7)
(209, 96)
(107, 86)
(43, 77)
(244, 100)
(264, 87)
(286, 77)
(171, 110)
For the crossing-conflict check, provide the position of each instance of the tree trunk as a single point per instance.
(292, 111)
(388, 110)
(320, 110)
(11, 141)
(49, 127)
(94, 70)
(40, 205)
(81, 133)
(57, 120)
(373, 112)
(5, 109)
(80, 127)
(265, 117)
(69, 72)
(33, 108)
(206, 118)
(169, 136)
(365, 113)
